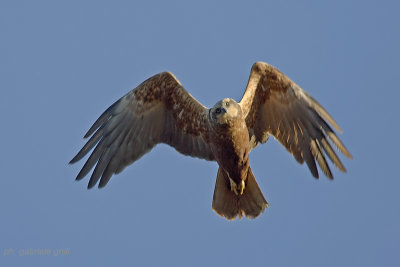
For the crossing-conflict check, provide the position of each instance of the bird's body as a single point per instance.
(161, 111)
(229, 130)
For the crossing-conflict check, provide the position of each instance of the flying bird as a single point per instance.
(160, 110)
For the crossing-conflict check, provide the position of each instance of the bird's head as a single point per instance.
(225, 110)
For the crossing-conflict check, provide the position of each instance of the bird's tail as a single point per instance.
(229, 205)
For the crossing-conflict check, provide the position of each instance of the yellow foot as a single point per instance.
(237, 189)
(241, 187)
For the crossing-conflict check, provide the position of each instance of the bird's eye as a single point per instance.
(217, 110)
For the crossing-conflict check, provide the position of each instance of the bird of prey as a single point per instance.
(160, 110)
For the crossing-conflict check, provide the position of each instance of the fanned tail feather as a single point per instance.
(229, 205)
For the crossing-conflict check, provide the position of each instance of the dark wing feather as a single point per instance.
(159, 110)
(274, 105)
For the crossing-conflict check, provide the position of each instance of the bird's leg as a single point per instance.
(235, 188)
(241, 187)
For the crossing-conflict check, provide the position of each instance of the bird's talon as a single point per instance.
(241, 187)
(234, 186)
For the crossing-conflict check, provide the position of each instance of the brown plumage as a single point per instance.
(160, 110)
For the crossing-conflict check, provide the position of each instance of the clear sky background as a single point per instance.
(63, 63)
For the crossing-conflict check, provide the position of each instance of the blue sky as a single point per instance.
(62, 63)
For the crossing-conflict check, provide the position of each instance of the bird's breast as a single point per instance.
(231, 148)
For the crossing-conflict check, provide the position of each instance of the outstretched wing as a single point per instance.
(159, 110)
(274, 105)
